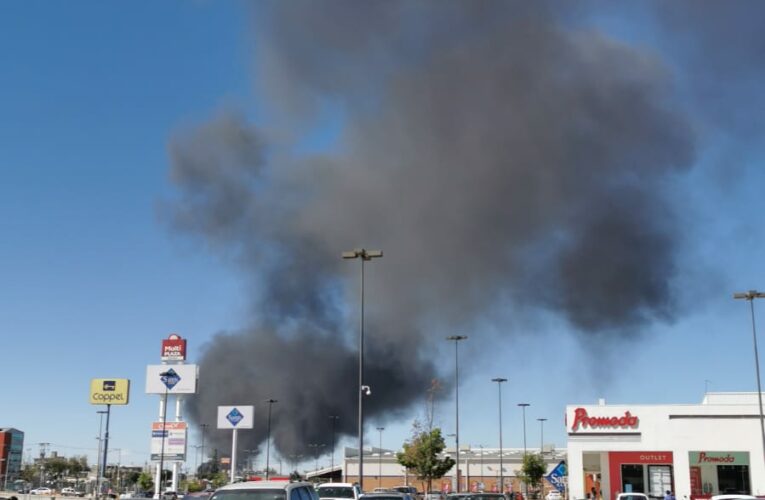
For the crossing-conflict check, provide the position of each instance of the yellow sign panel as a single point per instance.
(109, 391)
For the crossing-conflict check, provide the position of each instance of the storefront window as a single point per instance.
(632, 479)
(719, 472)
(733, 479)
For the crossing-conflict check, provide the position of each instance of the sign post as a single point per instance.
(172, 377)
(235, 418)
(108, 391)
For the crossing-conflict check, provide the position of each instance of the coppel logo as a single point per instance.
(110, 385)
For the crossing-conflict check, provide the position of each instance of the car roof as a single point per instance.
(333, 485)
(263, 485)
(385, 494)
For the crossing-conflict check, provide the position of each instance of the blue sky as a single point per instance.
(93, 278)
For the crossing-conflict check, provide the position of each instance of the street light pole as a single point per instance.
(364, 255)
(523, 406)
(542, 435)
(334, 419)
(268, 440)
(99, 472)
(379, 467)
(499, 382)
(750, 296)
(316, 447)
(457, 339)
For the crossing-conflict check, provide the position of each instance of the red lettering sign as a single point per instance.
(174, 348)
(583, 420)
(704, 458)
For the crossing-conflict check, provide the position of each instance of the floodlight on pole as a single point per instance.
(268, 439)
(456, 339)
(750, 296)
(379, 463)
(363, 255)
(541, 435)
(334, 419)
(499, 382)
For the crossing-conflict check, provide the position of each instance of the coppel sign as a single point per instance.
(173, 348)
(109, 391)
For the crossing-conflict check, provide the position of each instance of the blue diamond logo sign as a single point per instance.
(170, 378)
(234, 416)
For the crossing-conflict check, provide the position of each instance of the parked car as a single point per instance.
(266, 490)
(631, 496)
(386, 495)
(41, 491)
(71, 492)
(554, 495)
(733, 496)
(338, 491)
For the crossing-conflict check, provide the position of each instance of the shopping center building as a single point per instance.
(695, 450)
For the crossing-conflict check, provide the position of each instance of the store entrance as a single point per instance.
(632, 478)
(733, 479)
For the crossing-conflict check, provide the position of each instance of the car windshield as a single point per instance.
(632, 497)
(259, 494)
(336, 492)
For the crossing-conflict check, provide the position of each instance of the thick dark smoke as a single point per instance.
(492, 154)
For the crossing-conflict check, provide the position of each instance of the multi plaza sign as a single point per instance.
(584, 420)
(109, 391)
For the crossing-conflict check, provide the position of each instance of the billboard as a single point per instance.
(557, 477)
(171, 379)
(174, 442)
(109, 391)
(235, 417)
(174, 348)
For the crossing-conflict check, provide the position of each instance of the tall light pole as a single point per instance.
(99, 472)
(541, 435)
(499, 382)
(316, 447)
(334, 419)
(364, 255)
(379, 465)
(204, 428)
(268, 440)
(750, 296)
(456, 339)
(523, 407)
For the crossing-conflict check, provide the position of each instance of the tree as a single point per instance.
(421, 454)
(145, 482)
(532, 470)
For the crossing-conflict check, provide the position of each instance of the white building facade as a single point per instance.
(694, 450)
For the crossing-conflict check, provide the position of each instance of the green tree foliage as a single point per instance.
(532, 470)
(421, 454)
(145, 482)
(29, 473)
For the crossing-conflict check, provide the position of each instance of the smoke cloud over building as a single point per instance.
(495, 154)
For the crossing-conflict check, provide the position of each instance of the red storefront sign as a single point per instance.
(618, 458)
(173, 348)
(581, 418)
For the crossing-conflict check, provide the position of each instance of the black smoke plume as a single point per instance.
(496, 156)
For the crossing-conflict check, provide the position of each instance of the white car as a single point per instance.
(631, 496)
(266, 490)
(41, 491)
(554, 495)
(733, 497)
(338, 491)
